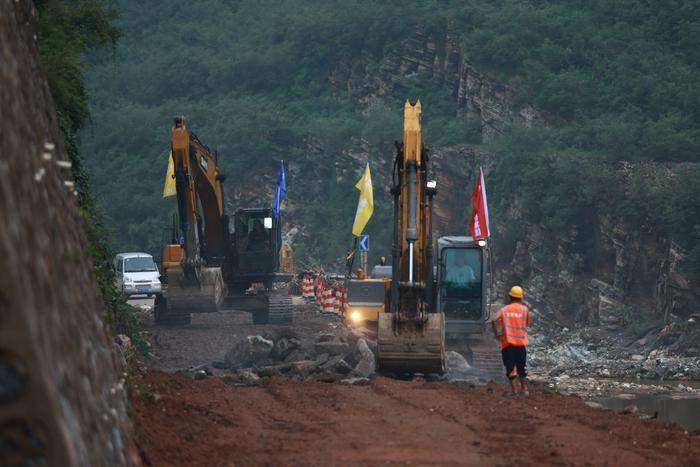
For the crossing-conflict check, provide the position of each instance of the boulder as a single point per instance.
(367, 365)
(248, 377)
(456, 362)
(251, 351)
(321, 359)
(283, 347)
(332, 348)
(304, 368)
(337, 365)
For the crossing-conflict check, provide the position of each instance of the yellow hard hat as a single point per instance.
(516, 292)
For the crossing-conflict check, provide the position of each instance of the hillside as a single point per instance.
(581, 112)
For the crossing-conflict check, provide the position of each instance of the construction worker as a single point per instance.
(509, 326)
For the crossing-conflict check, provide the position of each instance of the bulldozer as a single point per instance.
(429, 297)
(206, 265)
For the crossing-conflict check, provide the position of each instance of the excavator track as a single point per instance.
(280, 309)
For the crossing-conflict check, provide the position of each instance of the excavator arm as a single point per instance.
(200, 198)
(411, 336)
(193, 266)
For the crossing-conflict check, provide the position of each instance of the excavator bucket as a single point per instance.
(415, 346)
(186, 296)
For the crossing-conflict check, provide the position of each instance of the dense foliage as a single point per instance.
(67, 31)
(616, 82)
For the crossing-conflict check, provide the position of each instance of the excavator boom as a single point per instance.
(411, 336)
(193, 266)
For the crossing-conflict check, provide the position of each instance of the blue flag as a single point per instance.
(281, 191)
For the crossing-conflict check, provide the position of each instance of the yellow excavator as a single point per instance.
(205, 265)
(430, 297)
(411, 336)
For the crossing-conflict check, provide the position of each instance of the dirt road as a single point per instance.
(185, 422)
(181, 421)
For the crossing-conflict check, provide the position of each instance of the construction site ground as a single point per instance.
(182, 421)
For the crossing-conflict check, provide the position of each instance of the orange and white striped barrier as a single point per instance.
(318, 289)
(338, 302)
(307, 290)
(328, 300)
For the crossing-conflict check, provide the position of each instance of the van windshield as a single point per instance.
(140, 264)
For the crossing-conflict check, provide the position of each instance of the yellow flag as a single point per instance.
(365, 206)
(169, 188)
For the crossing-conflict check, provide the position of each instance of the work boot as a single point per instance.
(524, 393)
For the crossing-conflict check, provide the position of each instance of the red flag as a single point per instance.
(479, 223)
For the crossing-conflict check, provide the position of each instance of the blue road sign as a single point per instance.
(363, 245)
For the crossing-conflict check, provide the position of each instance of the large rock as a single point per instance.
(249, 378)
(456, 363)
(337, 365)
(251, 351)
(332, 348)
(367, 365)
(284, 347)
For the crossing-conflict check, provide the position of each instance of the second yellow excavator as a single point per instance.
(430, 297)
(205, 264)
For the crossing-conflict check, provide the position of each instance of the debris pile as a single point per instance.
(326, 356)
(341, 355)
(591, 352)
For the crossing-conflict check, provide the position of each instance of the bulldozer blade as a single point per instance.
(191, 296)
(411, 346)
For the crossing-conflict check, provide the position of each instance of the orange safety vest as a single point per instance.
(514, 318)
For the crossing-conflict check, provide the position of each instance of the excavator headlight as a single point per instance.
(355, 316)
(432, 184)
(481, 243)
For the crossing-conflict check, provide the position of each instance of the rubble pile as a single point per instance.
(342, 355)
(593, 352)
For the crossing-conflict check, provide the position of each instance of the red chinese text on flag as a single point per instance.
(479, 223)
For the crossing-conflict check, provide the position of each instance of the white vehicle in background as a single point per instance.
(137, 274)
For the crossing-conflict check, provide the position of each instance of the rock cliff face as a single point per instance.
(623, 270)
(61, 399)
(436, 56)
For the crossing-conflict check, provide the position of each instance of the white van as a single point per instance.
(137, 274)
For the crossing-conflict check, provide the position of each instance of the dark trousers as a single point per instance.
(515, 360)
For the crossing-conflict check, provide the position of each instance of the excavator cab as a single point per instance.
(257, 242)
(254, 267)
(462, 284)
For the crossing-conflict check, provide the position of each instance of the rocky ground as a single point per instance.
(225, 391)
(601, 361)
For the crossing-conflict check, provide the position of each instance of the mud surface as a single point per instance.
(187, 422)
(282, 421)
